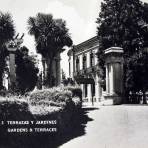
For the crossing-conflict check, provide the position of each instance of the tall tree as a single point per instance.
(119, 25)
(51, 35)
(26, 71)
(7, 31)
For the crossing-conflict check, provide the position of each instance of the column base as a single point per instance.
(114, 99)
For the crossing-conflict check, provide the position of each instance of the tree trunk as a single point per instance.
(49, 76)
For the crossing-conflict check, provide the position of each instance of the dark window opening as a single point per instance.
(77, 65)
(92, 59)
(85, 90)
(84, 62)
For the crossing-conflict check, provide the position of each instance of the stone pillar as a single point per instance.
(107, 79)
(111, 78)
(89, 92)
(114, 74)
(83, 90)
(81, 61)
(98, 88)
(88, 59)
(96, 57)
(12, 46)
(12, 69)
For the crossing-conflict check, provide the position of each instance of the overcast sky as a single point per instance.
(80, 16)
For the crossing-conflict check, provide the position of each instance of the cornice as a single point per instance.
(88, 44)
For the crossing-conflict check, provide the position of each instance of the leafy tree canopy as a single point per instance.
(137, 72)
(26, 71)
(7, 32)
(7, 29)
(119, 25)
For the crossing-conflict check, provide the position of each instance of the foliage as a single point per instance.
(117, 23)
(7, 31)
(26, 71)
(57, 95)
(124, 24)
(137, 71)
(14, 108)
(120, 25)
(51, 35)
(68, 81)
(76, 91)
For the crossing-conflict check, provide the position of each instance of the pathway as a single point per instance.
(124, 126)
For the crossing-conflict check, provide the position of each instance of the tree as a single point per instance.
(26, 71)
(118, 25)
(121, 24)
(137, 72)
(51, 35)
(7, 31)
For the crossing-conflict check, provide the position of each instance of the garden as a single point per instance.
(41, 117)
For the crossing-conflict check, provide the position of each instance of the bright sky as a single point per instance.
(80, 16)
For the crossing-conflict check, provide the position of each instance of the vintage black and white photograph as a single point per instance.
(73, 73)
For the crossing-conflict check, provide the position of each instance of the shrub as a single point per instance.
(76, 95)
(14, 108)
(76, 91)
(42, 110)
(77, 101)
(52, 96)
(48, 104)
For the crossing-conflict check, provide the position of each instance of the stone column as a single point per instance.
(82, 88)
(89, 96)
(81, 61)
(107, 79)
(114, 80)
(98, 88)
(83, 91)
(12, 46)
(12, 68)
(88, 59)
(111, 79)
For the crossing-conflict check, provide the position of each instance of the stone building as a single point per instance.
(84, 69)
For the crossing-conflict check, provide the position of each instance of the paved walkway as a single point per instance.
(124, 126)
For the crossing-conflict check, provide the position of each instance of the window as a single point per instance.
(85, 90)
(77, 64)
(93, 89)
(92, 59)
(84, 62)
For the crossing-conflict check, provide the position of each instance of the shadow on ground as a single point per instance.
(76, 129)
